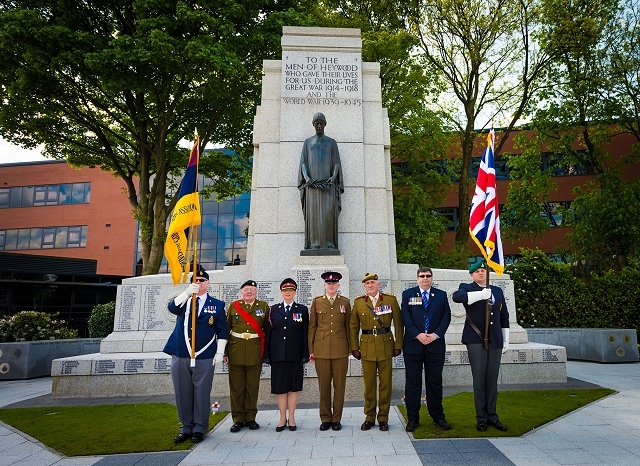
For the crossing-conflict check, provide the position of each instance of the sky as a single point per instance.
(10, 153)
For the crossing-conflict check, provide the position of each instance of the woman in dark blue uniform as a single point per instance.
(287, 350)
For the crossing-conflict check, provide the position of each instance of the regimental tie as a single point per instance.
(425, 304)
(331, 300)
(287, 309)
(198, 306)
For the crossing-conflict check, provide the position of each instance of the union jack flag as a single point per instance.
(484, 219)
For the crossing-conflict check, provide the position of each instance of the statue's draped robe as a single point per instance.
(320, 162)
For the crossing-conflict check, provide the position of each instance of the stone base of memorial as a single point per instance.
(591, 344)
(29, 359)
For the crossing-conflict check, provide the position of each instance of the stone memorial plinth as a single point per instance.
(321, 70)
(591, 344)
(29, 359)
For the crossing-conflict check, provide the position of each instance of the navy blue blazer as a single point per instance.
(211, 324)
(287, 337)
(413, 318)
(498, 318)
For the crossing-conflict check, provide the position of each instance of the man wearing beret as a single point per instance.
(426, 315)
(246, 319)
(193, 378)
(374, 313)
(329, 347)
(485, 362)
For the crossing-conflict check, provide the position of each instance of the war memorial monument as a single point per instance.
(321, 71)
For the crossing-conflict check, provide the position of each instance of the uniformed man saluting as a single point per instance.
(246, 319)
(329, 346)
(374, 313)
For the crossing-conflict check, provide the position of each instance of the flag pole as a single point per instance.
(193, 235)
(485, 338)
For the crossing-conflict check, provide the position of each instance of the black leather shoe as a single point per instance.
(412, 426)
(336, 426)
(252, 425)
(384, 426)
(236, 427)
(181, 437)
(444, 425)
(366, 425)
(292, 428)
(498, 425)
(482, 426)
(325, 426)
(281, 428)
(197, 437)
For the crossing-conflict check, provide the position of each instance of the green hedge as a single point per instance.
(548, 295)
(33, 326)
(101, 320)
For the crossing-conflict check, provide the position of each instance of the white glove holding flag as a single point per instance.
(505, 340)
(222, 344)
(474, 296)
(186, 294)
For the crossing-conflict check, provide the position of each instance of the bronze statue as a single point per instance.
(320, 184)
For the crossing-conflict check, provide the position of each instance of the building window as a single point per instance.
(43, 238)
(44, 195)
(451, 214)
(553, 211)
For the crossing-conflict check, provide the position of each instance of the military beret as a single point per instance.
(331, 277)
(288, 284)
(248, 283)
(480, 264)
(369, 276)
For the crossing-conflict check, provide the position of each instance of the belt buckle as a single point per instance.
(375, 331)
(246, 335)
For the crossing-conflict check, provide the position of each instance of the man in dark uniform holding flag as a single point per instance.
(246, 319)
(485, 362)
(193, 378)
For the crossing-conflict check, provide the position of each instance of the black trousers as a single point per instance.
(485, 366)
(432, 363)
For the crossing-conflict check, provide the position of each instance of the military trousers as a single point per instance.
(332, 370)
(192, 386)
(372, 372)
(244, 383)
(485, 365)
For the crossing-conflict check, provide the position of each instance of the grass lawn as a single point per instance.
(103, 429)
(520, 411)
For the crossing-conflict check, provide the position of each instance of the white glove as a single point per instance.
(222, 344)
(505, 340)
(474, 296)
(182, 297)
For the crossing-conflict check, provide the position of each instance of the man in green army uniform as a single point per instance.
(246, 319)
(374, 313)
(329, 347)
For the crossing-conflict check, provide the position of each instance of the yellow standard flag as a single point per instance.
(186, 214)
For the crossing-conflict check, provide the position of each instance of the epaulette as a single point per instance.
(388, 294)
(361, 296)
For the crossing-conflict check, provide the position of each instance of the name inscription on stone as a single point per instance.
(321, 78)
(68, 367)
(132, 366)
(550, 355)
(161, 365)
(104, 366)
(151, 313)
(126, 307)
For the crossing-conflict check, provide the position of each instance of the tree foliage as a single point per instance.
(119, 83)
(588, 99)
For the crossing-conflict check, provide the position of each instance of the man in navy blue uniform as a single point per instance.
(192, 385)
(485, 363)
(426, 316)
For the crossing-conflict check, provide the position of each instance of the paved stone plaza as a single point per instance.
(605, 432)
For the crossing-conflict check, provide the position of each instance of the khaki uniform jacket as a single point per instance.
(376, 347)
(240, 351)
(329, 327)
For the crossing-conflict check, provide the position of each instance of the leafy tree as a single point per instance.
(483, 51)
(119, 83)
(587, 101)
